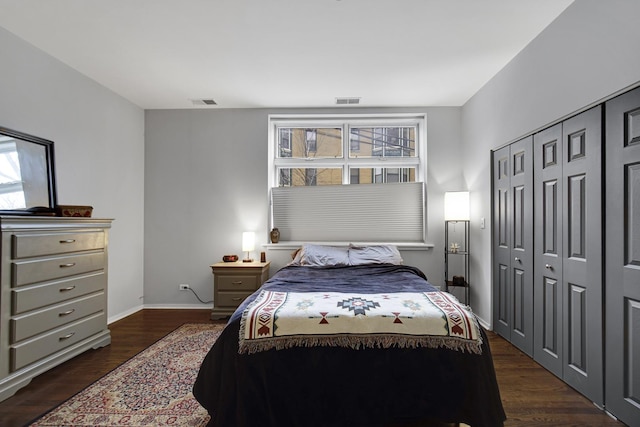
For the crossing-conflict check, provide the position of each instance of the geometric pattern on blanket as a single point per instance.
(279, 320)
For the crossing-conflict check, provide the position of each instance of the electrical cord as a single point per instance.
(194, 292)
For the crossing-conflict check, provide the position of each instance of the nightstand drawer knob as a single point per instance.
(236, 299)
(68, 241)
(66, 313)
(237, 282)
(67, 265)
(67, 289)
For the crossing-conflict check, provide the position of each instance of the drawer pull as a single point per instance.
(67, 265)
(66, 313)
(237, 282)
(68, 288)
(66, 337)
(68, 241)
(236, 299)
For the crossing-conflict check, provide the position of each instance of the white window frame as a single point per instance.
(346, 121)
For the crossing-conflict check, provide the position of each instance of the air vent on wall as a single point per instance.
(347, 101)
(204, 102)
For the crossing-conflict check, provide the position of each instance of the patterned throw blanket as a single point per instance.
(400, 319)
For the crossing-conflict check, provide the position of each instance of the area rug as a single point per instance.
(151, 389)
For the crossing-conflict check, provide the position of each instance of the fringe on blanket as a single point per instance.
(359, 342)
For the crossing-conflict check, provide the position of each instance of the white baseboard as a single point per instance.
(124, 314)
(483, 323)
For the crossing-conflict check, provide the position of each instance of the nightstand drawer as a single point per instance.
(25, 272)
(231, 299)
(51, 342)
(237, 283)
(28, 325)
(31, 245)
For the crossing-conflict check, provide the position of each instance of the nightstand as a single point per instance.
(233, 282)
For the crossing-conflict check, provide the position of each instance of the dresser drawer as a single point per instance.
(238, 282)
(231, 299)
(32, 245)
(29, 298)
(25, 272)
(28, 325)
(35, 349)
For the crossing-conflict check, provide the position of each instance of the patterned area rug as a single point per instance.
(151, 389)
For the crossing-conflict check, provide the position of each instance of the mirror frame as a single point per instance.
(51, 176)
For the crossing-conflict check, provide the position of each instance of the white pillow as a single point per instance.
(320, 255)
(374, 254)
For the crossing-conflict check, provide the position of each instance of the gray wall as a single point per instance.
(205, 174)
(99, 151)
(589, 52)
(206, 183)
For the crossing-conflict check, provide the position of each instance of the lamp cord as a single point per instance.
(203, 302)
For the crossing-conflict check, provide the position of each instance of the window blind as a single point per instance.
(392, 212)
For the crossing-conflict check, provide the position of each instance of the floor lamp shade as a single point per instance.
(456, 206)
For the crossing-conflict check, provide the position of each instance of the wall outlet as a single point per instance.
(183, 287)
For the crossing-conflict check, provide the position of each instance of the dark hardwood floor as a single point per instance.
(531, 395)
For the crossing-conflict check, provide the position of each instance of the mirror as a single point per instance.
(27, 178)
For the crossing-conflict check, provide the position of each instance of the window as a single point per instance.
(354, 145)
(11, 181)
(311, 141)
(346, 149)
(318, 165)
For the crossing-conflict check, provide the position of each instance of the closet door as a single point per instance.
(547, 272)
(513, 243)
(622, 199)
(582, 280)
(501, 243)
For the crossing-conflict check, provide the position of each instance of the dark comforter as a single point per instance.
(336, 386)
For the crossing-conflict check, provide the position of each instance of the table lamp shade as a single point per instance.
(248, 241)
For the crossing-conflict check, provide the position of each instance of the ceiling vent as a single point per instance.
(204, 102)
(348, 101)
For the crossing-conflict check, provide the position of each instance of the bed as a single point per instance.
(262, 371)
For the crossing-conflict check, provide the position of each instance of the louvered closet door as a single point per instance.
(547, 272)
(582, 285)
(622, 199)
(513, 244)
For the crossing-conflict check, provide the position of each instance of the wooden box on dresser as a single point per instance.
(53, 294)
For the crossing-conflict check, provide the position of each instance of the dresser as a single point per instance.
(233, 282)
(53, 294)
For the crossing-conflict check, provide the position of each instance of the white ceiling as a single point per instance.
(283, 53)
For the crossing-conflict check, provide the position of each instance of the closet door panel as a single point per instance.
(622, 257)
(577, 329)
(503, 316)
(521, 192)
(513, 243)
(582, 284)
(501, 243)
(547, 274)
